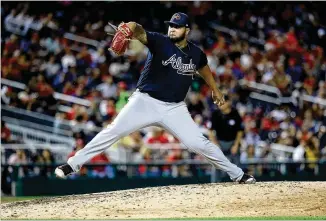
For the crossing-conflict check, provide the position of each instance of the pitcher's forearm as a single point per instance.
(139, 32)
(207, 75)
(212, 84)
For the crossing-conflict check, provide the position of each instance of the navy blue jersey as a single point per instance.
(169, 71)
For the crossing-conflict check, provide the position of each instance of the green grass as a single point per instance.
(252, 218)
(8, 199)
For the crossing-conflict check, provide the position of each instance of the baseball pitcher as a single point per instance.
(171, 63)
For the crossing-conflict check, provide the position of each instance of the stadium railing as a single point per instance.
(264, 93)
(241, 34)
(36, 126)
(283, 167)
(58, 96)
(38, 120)
(38, 136)
(312, 99)
(61, 150)
(35, 120)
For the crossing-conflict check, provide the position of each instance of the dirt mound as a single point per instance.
(205, 200)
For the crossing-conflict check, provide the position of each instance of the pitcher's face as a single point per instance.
(177, 33)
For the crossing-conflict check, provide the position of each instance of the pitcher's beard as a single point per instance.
(178, 39)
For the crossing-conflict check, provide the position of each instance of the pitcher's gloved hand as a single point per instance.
(121, 39)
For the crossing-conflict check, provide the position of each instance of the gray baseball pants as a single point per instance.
(143, 111)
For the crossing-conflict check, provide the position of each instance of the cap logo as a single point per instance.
(176, 16)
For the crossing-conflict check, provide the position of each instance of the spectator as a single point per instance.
(12, 44)
(299, 152)
(133, 141)
(195, 105)
(158, 136)
(51, 68)
(7, 95)
(94, 80)
(100, 171)
(321, 135)
(45, 96)
(27, 101)
(52, 44)
(18, 158)
(79, 145)
(311, 155)
(107, 109)
(108, 88)
(68, 60)
(5, 133)
(123, 96)
(227, 130)
(281, 80)
(249, 154)
(98, 57)
(46, 159)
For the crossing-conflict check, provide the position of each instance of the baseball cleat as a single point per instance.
(63, 171)
(247, 179)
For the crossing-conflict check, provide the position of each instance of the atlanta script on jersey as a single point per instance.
(168, 71)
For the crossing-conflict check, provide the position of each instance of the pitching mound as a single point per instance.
(207, 200)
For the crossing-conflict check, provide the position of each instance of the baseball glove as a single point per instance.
(121, 39)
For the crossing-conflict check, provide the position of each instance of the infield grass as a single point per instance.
(8, 199)
(250, 218)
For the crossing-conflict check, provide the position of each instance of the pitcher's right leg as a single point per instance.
(178, 121)
(136, 114)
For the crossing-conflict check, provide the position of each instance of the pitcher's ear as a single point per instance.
(187, 30)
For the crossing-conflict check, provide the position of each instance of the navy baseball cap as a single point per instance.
(180, 19)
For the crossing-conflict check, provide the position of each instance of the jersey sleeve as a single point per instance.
(202, 60)
(154, 40)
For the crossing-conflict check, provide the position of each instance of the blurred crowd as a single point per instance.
(289, 55)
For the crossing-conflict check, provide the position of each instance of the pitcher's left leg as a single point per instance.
(179, 122)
